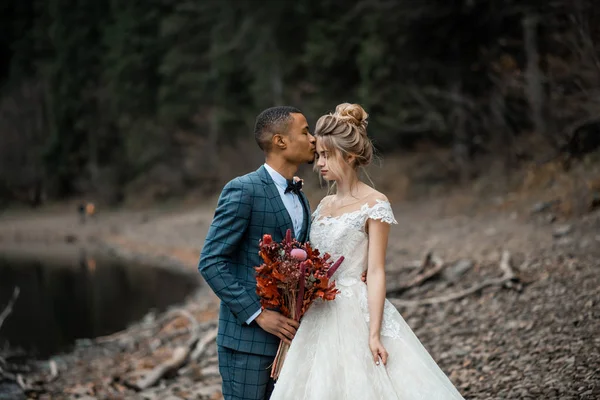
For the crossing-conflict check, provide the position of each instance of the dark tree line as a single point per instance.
(96, 96)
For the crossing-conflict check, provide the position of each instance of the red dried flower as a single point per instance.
(291, 284)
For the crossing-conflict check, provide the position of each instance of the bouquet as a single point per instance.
(292, 276)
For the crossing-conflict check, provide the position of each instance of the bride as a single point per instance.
(357, 346)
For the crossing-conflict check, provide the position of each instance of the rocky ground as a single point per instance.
(531, 336)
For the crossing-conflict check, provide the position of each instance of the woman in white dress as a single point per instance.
(357, 346)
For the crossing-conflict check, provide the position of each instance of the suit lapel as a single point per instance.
(284, 221)
(306, 222)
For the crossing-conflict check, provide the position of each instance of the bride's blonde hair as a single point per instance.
(344, 133)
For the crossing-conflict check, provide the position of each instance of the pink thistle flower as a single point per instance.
(299, 254)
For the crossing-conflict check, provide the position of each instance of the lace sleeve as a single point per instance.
(382, 210)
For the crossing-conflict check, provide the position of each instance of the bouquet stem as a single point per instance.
(279, 359)
(283, 348)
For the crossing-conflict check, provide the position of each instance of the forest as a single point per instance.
(101, 98)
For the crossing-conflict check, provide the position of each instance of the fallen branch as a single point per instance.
(206, 325)
(28, 387)
(507, 279)
(176, 361)
(207, 391)
(181, 354)
(421, 276)
(21, 381)
(203, 344)
(208, 361)
(53, 371)
(426, 261)
(211, 371)
(201, 327)
(7, 375)
(194, 326)
(167, 337)
(183, 312)
(8, 309)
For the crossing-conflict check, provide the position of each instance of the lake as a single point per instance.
(85, 298)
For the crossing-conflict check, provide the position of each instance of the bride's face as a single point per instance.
(330, 163)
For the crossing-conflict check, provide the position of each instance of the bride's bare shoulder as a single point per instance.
(373, 196)
(325, 200)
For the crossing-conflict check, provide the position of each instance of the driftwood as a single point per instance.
(202, 344)
(200, 327)
(28, 387)
(192, 351)
(53, 371)
(194, 326)
(177, 360)
(21, 381)
(208, 361)
(33, 385)
(185, 313)
(7, 375)
(422, 275)
(507, 279)
(211, 371)
(8, 309)
(179, 357)
(426, 261)
(3, 315)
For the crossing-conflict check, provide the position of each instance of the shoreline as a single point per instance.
(556, 261)
(131, 236)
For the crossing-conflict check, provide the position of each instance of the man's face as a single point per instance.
(301, 144)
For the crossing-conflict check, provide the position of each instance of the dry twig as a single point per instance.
(8, 309)
(53, 371)
(507, 279)
(203, 344)
(421, 276)
(183, 312)
(181, 354)
(194, 326)
(176, 361)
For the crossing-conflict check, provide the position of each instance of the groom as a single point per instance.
(266, 201)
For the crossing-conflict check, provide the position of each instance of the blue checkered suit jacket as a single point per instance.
(249, 207)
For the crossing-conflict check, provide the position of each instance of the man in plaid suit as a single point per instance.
(266, 201)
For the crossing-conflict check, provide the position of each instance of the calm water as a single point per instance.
(88, 298)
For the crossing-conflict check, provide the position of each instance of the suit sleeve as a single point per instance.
(224, 237)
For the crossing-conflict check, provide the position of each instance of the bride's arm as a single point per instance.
(378, 239)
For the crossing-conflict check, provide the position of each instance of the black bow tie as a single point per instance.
(293, 187)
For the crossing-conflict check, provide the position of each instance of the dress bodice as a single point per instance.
(345, 235)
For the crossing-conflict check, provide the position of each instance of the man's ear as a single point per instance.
(279, 141)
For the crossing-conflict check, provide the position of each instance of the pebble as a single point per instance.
(562, 231)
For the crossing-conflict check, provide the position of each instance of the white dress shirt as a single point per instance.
(292, 204)
(291, 201)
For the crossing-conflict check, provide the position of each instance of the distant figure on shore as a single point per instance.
(86, 210)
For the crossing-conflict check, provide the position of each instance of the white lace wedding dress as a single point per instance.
(329, 358)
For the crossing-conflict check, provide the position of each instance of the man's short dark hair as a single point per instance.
(272, 121)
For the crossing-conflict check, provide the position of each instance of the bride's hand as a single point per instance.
(378, 351)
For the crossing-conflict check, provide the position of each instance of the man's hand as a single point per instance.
(364, 277)
(278, 325)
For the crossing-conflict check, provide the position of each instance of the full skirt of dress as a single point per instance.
(330, 359)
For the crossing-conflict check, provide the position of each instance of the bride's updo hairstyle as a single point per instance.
(344, 133)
